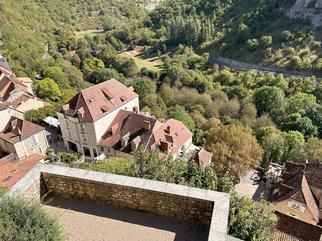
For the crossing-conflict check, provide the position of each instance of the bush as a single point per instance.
(250, 220)
(67, 157)
(21, 221)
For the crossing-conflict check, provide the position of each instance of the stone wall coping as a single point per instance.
(133, 182)
(219, 222)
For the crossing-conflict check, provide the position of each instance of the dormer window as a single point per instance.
(107, 98)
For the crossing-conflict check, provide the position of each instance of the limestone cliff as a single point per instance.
(311, 9)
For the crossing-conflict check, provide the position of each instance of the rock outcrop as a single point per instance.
(310, 9)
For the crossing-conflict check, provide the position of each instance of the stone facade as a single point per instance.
(140, 194)
(87, 134)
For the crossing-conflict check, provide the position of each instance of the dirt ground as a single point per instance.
(84, 221)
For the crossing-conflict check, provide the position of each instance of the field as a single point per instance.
(144, 59)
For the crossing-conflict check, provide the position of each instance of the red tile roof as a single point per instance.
(9, 84)
(132, 124)
(18, 129)
(98, 100)
(12, 172)
(172, 131)
(294, 185)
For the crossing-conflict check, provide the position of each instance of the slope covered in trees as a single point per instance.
(247, 30)
(30, 30)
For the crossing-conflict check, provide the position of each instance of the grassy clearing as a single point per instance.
(90, 33)
(144, 59)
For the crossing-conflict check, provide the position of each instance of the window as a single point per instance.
(86, 151)
(34, 140)
(38, 150)
(67, 125)
(83, 131)
(84, 139)
(69, 135)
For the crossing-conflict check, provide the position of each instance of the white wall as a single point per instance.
(27, 147)
(93, 131)
(5, 116)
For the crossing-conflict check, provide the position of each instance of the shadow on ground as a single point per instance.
(158, 227)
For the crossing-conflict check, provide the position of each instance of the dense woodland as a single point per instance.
(247, 119)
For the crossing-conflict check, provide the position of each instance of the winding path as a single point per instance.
(238, 65)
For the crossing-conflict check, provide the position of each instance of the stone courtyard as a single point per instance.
(82, 220)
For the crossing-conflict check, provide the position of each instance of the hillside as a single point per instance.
(29, 29)
(269, 32)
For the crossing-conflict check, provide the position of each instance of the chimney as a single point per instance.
(147, 125)
(168, 130)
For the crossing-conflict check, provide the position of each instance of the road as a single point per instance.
(238, 65)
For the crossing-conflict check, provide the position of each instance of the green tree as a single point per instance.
(144, 87)
(295, 122)
(22, 220)
(180, 114)
(47, 89)
(268, 99)
(250, 220)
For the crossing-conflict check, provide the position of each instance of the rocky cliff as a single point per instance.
(310, 9)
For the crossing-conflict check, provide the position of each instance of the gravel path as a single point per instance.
(84, 221)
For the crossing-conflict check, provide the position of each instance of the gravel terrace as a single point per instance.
(85, 221)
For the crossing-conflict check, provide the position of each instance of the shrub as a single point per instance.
(21, 221)
(67, 157)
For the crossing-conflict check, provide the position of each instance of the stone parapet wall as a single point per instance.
(161, 198)
(160, 203)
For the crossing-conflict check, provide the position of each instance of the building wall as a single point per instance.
(185, 146)
(5, 116)
(102, 124)
(299, 229)
(6, 146)
(89, 134)
(27, 147)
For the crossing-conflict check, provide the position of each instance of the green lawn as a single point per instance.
(151, 63)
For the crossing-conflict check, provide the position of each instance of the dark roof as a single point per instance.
(4, 66)
(17, 130)
(131, 124)
(98, 100)
(9, 84)
(294, 184)
(313, 172)
(203, 157)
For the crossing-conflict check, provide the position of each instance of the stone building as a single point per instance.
(297, 199)
(21, 138)
(104, 120)
(16, 93)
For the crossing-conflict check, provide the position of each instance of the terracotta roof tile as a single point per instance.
(98, 100)
(128, 122)
(12, 172)
(18, 129)
(294, 185)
